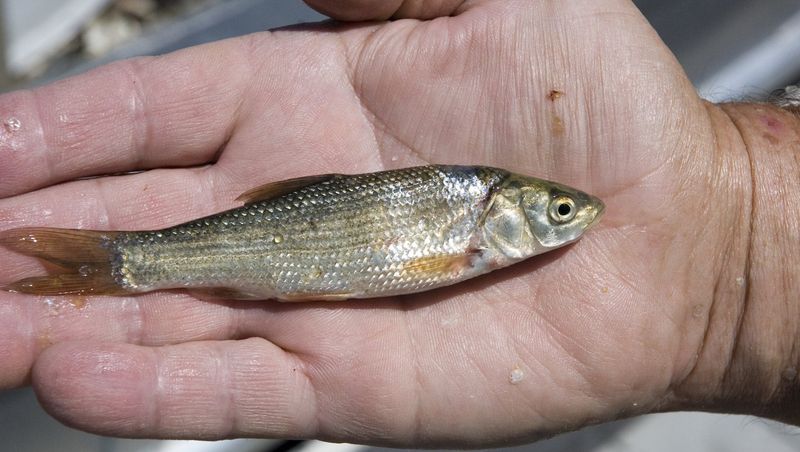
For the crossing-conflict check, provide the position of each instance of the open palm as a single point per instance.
(578, 91)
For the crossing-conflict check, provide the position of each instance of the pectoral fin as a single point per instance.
(438, 265)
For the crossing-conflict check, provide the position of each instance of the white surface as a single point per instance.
(37, 29)
(231, 445)
(320, 446)
(25, 427)
(667, 432)
(772, 61)
(703, 432)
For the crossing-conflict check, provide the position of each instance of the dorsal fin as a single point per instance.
(280, 188)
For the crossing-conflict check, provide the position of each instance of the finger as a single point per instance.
(149, 200)
(152, 199)
(356, 10)
(176, 110)
(29, 325)
(361, 10)
(197, 390)
(160, 198)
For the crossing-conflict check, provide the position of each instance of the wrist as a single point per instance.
(748, 361)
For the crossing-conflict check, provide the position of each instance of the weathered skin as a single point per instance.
(360, 236)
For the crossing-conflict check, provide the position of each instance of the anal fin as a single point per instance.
(226, 293)
(300, 297)
(438, 265)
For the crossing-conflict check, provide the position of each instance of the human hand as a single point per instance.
(582, 92)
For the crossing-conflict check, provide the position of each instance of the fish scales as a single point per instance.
(351, 235)
(324, 237)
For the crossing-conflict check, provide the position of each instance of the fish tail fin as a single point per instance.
(81, 261)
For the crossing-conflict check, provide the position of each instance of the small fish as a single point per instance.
(327, 237)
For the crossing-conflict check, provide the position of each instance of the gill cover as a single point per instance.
(528, 216)
(506, 228)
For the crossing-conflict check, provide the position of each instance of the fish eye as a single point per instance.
(562, 209)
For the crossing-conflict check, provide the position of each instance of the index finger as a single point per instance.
(174, 110)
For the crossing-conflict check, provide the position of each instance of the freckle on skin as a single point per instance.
(771, 138)
(44, 341)
(555, 94)
(558, 126)
(773, 124)
(774, 128)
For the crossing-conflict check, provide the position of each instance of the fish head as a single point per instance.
(527, 216)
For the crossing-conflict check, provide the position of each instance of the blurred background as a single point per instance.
(731, 49)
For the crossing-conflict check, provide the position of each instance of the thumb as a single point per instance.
(356, 10)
